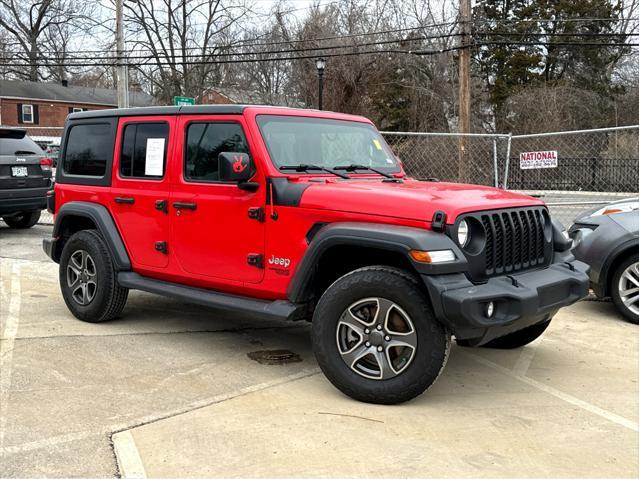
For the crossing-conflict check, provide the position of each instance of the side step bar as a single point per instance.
(278, 309)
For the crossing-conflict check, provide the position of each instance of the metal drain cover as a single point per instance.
(275, 356)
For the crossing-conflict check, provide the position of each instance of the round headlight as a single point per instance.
(463, 233)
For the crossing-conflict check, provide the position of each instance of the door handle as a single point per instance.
(124, 200)
(178, 205)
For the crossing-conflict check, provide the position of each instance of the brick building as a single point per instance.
(35, 105)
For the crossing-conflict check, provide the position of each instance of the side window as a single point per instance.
(88, 149)
(204, 142)
(144, 147)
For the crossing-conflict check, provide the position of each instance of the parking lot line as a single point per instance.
(127, 455)
(525, 357)
(7, 345)
(610, 416)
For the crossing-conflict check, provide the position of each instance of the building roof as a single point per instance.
(70, 94)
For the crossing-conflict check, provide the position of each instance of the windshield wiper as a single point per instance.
(354, 167)
(24, 152)
(302, 167)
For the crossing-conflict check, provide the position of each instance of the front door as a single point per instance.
(140, 188)
(212, 234)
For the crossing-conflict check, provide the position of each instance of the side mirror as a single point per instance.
(236, 167)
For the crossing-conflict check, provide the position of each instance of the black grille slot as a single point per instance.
(488, 249)
(515, 240)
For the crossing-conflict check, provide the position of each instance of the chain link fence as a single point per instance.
(593, 167)
(474, 158)
(571, 171)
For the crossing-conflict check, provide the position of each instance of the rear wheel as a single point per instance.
(88, 279)
(22, 220)
(625, 288)
(375, 336)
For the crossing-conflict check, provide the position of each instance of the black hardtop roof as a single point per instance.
(166, 110)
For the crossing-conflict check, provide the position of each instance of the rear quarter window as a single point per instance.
(89, 149)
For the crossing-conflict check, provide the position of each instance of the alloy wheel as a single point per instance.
(629, 288)
(82, 277)
(376, 338)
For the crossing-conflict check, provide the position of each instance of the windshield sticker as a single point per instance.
(377, 144)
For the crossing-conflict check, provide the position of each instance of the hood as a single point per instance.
(412, 199)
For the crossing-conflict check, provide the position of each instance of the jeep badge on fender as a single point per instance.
(387, 268)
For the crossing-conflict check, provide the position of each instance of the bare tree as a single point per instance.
(35, 26)
(181, 39)
(267, 80)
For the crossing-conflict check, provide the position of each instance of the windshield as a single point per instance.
(294, 140)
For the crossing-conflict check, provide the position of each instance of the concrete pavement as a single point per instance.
(171, 385)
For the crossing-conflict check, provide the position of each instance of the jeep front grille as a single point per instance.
(515, 240)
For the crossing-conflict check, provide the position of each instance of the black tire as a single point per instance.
(108, 298)
(514, 340)
(22, 220)
(615, 292)
(389, 285)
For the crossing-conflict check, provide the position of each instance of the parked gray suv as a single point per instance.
(25, 178)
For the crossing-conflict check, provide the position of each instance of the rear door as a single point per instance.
(140, 188)
(20, 162)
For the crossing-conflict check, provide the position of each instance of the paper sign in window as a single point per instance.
(154, 164)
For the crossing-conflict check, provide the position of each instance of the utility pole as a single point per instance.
(122, 76)
(464, 86)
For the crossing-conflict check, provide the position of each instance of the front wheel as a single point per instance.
(375, 336)
(625, 288)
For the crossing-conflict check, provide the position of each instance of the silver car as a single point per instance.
(25, 178)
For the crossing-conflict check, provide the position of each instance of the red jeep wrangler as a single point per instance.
(299, 214)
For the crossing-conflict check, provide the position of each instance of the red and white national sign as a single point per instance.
(530, 160)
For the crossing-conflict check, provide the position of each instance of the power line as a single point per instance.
(151, 56)
(73, 60)
(569, 20)
(558, 44)
(251, 42)
(166, 62)
(243, 42)
(254, 60)
(226, 57)
(535, 34)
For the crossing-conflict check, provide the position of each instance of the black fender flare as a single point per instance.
(104, 223)
(401, 239)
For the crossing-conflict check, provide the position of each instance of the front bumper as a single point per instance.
(520, 300)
